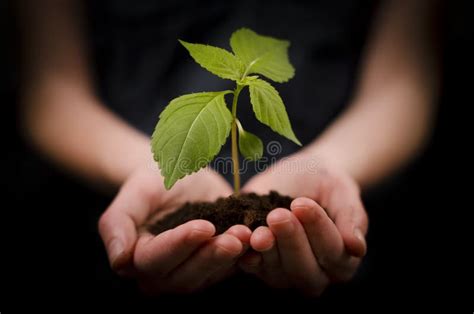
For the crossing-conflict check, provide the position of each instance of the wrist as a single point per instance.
(326, 159)
(128, 154)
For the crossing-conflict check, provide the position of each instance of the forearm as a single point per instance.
(60, 114)
(392, 112)
(375, 137)
(74, 130)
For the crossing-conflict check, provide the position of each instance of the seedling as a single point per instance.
(192, 128)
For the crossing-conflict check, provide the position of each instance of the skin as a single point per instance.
(322, 238)
(184, 259)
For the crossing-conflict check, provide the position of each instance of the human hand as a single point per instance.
(183, 259)
(321, 239)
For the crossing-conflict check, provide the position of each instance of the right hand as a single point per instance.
(184, 259)
(320, 238)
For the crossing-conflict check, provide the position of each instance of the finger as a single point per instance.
(263, 241)
(351, 220)
(159, 255)
(352, 231)
(242, 233)
(219, 253)
(271, 269)
(220, 275)
(251, 262)
(118, 224)
(254, 186)
(118, 232)
(325, 239)
(295, 252)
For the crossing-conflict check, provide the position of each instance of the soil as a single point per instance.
(247, 209)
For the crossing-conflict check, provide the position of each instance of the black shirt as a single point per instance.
(141, 66)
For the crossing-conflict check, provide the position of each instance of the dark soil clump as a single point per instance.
(246, 209)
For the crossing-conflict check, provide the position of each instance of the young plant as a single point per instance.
(192, 128)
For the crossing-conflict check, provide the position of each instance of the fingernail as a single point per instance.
(298, 203)
(360, 236)
(116, 248)
(281, 220)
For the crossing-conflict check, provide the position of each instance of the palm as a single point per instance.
(186, 258)
(320, 239)
(288, 179)
(204, 186)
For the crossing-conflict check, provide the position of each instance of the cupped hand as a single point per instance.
(322, 238)
(184, 259)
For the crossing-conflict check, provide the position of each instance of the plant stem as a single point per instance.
(247, 70)
(235, 149)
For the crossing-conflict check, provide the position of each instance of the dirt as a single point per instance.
(247, 209)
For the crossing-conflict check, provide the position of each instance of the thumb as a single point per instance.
(258, 184)
(119, 223)
(347, 211)
(118, 232)
(352, 223)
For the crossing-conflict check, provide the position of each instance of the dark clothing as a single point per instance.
(141, 66)
(52, 257)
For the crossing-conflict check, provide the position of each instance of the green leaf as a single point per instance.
(269, 108)
(250, 145)
(216, 60)
(262, 54)
(190, 133)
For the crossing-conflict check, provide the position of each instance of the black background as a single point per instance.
(51, 254)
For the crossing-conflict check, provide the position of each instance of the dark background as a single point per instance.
(51, 252)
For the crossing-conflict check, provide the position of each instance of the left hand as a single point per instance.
(180, 260)
(322, 238)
